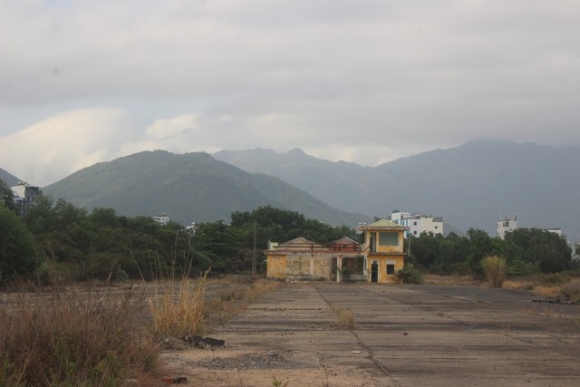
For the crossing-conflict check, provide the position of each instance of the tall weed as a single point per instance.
(494, 268)
(73, 338)
(179, 307)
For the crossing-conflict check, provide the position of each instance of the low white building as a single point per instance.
(162, 219)
(418, 223)
(555, 230)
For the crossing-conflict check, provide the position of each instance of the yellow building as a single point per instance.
(302, 259)
(383, 249)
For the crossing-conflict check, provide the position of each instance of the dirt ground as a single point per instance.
(405, 336)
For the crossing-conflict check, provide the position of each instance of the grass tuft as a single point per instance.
(180, 308)
(571, 291)
(495, 270)
(346, 318)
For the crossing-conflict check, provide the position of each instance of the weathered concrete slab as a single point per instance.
(409, 336)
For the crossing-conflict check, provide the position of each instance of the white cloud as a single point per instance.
(53, 148)
(366, 81)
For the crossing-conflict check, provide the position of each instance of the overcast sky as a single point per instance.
(83, 81)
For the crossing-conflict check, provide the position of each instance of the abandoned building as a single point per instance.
(376, 260)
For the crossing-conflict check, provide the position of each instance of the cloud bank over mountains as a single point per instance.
(365, 81)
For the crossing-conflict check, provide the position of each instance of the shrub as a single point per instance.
(519, 268)
(409, 275)
(571, 291)
(494, 268)
(73, 338)
(552, 279)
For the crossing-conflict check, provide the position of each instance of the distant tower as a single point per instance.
(506, 224)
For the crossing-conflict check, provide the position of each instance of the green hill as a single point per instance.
(192, 187)
(8, 178)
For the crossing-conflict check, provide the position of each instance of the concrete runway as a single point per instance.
(405, 336)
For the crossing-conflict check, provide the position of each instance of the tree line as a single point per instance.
(57, 241)
(526, 251)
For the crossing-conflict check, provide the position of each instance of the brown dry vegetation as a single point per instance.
(560, 285)
(72, 337)
(346, 318)
(107, 336)
(434, 279)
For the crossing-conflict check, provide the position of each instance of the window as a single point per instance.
(414, 232)
(388, 239)
(414, 223)
(390, 269)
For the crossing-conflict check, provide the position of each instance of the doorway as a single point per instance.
(375, 272)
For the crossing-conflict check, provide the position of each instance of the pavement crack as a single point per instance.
(362, 344)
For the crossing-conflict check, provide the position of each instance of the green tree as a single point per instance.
(453, 252)
(218, 242)
(7, 197)
(532, 249)
(425, 248)
(104, 217)
(480, 246)
(17, 255)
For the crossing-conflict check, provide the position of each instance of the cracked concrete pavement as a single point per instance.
(404, 336)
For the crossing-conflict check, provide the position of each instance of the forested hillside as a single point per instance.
(192, 187)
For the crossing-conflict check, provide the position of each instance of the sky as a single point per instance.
(366, 81)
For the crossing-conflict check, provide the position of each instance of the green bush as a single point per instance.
(409, 275)
(519, 268)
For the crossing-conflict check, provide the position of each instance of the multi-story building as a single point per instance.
(506, 224)
(383, 250)
(418, 223)
(25, 196)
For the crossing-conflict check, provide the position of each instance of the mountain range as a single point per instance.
(192, 187)
(469, 186)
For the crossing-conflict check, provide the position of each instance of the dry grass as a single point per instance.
(434, 279)
(101, 336)
(231, 298)
(495, 270)
(539, 289)
(73, 338)
(546, 290)
(571, 291)
(179, 307)
(515, 284)
(346, 318)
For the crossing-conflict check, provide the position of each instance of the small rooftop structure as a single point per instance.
(162, 219)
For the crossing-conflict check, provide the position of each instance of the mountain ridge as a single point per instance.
(468, 185)
(192, 187)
